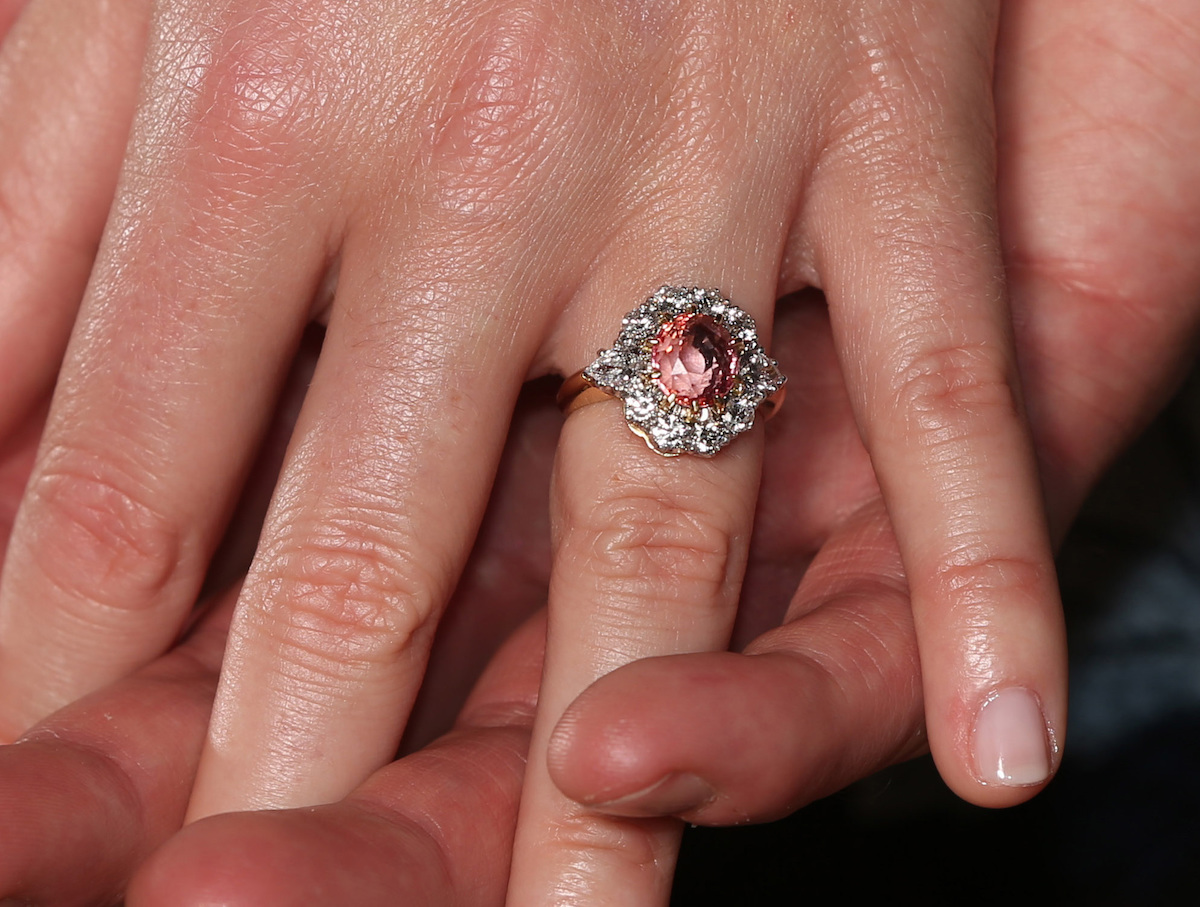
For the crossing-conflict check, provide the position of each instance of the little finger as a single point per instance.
(910, 263)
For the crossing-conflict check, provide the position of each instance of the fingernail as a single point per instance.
(678, 792)
(1011, 740)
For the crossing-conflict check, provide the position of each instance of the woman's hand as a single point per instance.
(833, 693)
(1100, 210)
(494, 189)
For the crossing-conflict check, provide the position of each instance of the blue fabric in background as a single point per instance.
(1121, 822)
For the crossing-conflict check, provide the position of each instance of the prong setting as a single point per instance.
(718, 377)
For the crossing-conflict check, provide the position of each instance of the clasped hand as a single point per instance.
(471, 195)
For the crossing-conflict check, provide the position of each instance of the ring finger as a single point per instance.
(650, 550)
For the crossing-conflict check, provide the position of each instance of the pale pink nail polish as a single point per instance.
(1012, 744)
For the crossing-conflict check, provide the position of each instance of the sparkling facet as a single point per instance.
(690, 370)
(695, 358)
(640, 407)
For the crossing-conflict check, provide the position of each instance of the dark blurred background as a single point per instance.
(1121, 822)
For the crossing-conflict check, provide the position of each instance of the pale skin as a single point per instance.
(1054, 260)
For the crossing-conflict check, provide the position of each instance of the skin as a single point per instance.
(101, 785)
(863, 528)
(104, 781)
(91, 792)
(1099, 251)
(236, 200)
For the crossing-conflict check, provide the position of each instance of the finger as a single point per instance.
(831, 696)
(68, 80)
(141, 464)
(433, 828)
(911, 268)
(838, 684)
(1099, 244)
(355, 566)
(90, 792)
(649, 551)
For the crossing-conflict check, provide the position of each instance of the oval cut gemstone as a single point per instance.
(696, 359)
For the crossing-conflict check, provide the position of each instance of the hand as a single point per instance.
(98, 787)
(1100, 195)
(128, 496)
(828, 732)
(93, 791)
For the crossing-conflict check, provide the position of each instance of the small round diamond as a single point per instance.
(640, 407)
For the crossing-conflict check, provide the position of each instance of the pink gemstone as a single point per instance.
(696, 359)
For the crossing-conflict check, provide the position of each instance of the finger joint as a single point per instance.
(97, 536)
(973, 578)
(654, 543)
(953, 392)
(347, 594)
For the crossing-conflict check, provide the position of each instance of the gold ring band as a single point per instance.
(689, 369)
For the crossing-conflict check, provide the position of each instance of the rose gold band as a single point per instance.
(577, 392)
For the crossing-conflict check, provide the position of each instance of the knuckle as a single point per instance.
(957, 391)
(607, 841)
(500, 110)
(96, 537)
(908, 142)
(347, 593)
(654, 542)
(268, 72)
(265, 80)
(894, 74)
(972, 579)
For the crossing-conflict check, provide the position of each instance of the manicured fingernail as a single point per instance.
(1011, 740)
(676, 793)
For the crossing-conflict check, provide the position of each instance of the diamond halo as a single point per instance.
(689, 369)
